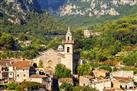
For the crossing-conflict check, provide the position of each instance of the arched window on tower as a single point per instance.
(68, 49)
(68, 38)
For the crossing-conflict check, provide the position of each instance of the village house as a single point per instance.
(43, 79)
(127, 1)
(85, 80)
(98, 83)
(6, 71)
(124, 74)
(100, 73)
(135, 78)
(21, 69)
(65, 80)
(3, 72)
(123, 83)
(101, 84)
(89, 33)
(116, 84)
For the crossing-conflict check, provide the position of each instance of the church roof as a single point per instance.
(60, 54)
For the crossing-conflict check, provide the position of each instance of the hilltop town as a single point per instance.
(39, 52)
(55, 70)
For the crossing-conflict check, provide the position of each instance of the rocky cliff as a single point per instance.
(17, 10)
(95, 7)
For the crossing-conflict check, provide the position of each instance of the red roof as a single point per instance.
(38, 76)
(22, 64)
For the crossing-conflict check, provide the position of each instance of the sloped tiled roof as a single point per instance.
(22, 64)
(38, 76)
(66, 80)
(5, 62)
(123, 79)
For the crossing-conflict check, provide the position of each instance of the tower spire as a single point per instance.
(69, 32)
(68, 29)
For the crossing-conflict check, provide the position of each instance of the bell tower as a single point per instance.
(68, 50)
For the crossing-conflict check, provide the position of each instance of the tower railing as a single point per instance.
(68, 41)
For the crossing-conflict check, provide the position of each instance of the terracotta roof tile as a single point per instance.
(38, 76)
(5, 62)
(60, 54)
(22, 64)
(123, 79)
(66, 80)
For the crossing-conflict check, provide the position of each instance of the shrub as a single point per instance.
(67, 87)
(61, 71)
(12, 86)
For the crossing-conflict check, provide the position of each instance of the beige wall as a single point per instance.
(99, 73)
(128, 74)
(83, 81)
(0, 72)
(50, 59)
(116, 84)
(21, 75)
(102, 85)
(98, 84)
(11, 72)
(39, 80)
(68, 61)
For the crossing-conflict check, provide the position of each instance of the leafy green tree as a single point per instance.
(106, 67)
(84, 69)
(67, 87)
(131, 59)
(115, 48)
(30, 54)
(85, 88)
(12, 85)
(61, 71)
(22, 37)
(103, 55)
(19, 88)
(54, 43)
(6, 41)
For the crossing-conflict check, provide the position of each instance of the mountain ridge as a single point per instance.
(16, 11)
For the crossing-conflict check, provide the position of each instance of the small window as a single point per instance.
(68, 49)
(68, 38)
(17, 75)
(24, 75)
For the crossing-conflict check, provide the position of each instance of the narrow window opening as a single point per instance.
(68, 49)
(68, 38)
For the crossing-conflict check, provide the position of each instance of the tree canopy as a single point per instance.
(61, 71)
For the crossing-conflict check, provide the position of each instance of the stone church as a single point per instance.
(63, 55)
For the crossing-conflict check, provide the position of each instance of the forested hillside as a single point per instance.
(116, 44)
(29, 39)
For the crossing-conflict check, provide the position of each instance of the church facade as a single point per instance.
(64, 55)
